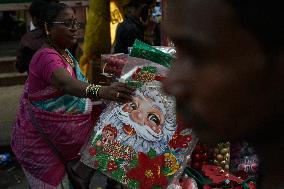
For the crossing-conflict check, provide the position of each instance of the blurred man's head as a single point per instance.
(228, 77)
(138, 8)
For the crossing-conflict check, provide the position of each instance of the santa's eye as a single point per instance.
(154, 118)
(133, 106)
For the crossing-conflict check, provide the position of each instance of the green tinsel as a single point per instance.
(135, 84)
(145, 51)
(149, 69)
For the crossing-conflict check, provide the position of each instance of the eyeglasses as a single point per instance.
(69, 24)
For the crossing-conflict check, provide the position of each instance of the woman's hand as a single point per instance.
(117, 91)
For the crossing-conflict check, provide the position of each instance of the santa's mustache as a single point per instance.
(141, 130)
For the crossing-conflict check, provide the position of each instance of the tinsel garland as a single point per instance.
(145, 51)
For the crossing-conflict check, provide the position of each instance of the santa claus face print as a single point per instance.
(143, 112)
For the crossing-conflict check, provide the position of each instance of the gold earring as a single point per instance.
(46, 30)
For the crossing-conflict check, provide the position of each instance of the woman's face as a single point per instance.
(64, 30)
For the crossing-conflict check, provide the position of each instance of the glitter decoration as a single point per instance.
(145, 51)
(139, 143)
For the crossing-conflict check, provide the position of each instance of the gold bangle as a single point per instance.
(97, 88)
(92, 91)
(87, 91)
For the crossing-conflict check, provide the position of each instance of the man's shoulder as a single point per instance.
(33, 39)
(127, 25)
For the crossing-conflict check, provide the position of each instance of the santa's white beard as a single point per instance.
(143, 131)
(144, 139)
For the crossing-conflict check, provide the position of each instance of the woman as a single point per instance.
(60, 100)
(33, 40)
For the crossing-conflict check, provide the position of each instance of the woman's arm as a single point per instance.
(62, 81)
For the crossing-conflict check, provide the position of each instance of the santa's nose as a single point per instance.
(137, 116)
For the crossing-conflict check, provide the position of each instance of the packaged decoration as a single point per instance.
(145, 51)
(112, 64)
(222, 155)
(244, 161)
(139, 143)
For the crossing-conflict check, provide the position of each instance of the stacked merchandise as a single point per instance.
(112, 64)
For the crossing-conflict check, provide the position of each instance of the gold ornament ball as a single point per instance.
(224, 151)
(220, 157)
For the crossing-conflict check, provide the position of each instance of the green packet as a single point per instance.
(145, 51)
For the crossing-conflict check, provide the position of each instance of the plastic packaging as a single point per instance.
(145, 51)
(137, 143)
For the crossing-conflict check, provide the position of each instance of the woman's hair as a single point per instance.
(52, 11)
(50, 14)
(264, 18)
(37, 9)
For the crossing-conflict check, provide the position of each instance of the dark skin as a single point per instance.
(225, 86)
(63, 38)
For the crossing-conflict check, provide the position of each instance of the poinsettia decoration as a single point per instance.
(148, 172)
(218, 176)
(179, 139)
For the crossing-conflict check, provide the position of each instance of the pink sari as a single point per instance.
(67, 132)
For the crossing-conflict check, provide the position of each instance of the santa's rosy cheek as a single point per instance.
(127, 108)
(137, 116)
